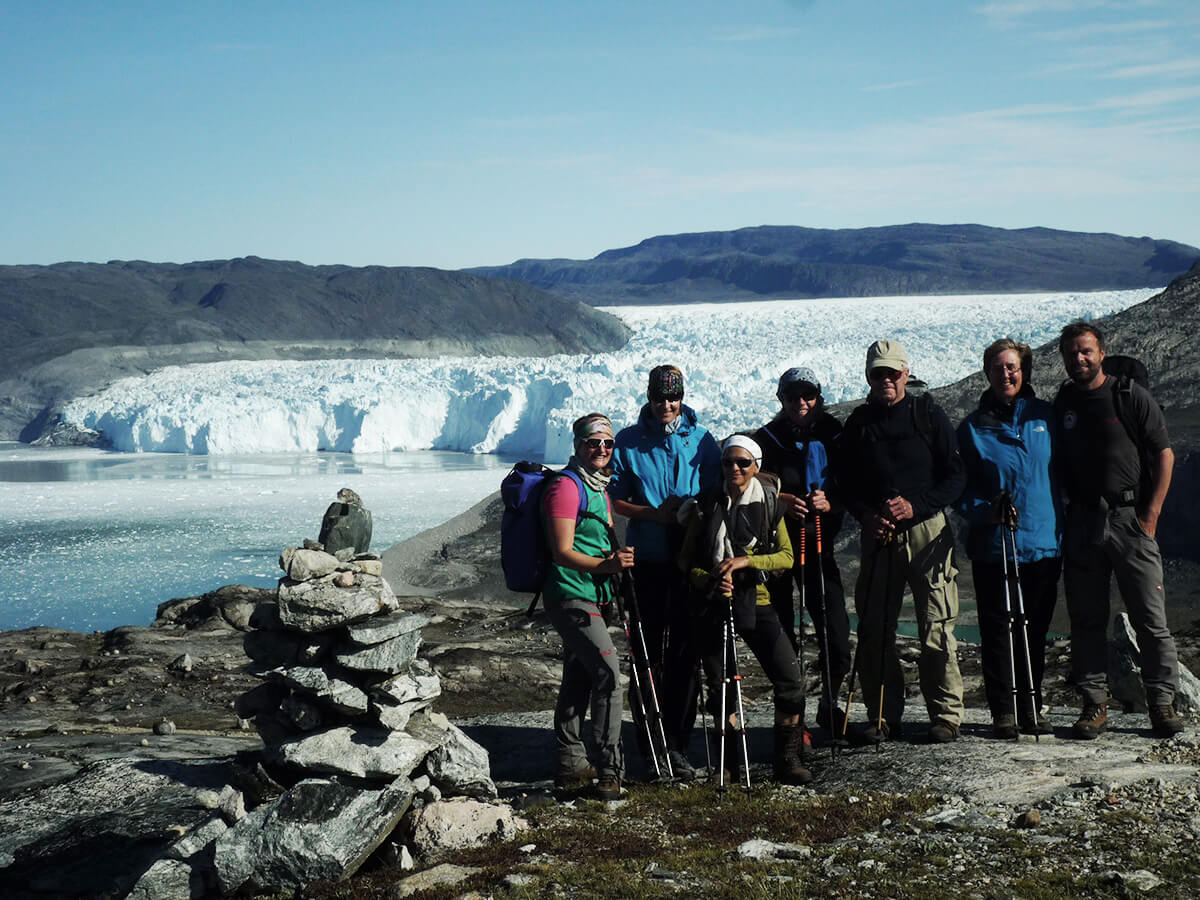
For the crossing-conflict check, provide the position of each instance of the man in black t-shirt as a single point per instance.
(1108, 430)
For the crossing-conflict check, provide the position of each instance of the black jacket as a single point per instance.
(900, 450)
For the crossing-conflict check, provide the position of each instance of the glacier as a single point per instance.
(731, 355)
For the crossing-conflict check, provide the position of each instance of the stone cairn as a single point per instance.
(344, 714)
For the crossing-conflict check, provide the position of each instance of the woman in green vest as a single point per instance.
(577, 592)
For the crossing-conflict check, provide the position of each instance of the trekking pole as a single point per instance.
(1024, 622)
(700, 698)
(857, 651)
(1008, 614)
(798, 613)
(638, 707)
(823, 636)
(883, 637)
(649, 671)
(724, 711)
(737, 686)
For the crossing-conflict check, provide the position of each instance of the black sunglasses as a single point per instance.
(598, 443)
(740, 461)
(883, 373)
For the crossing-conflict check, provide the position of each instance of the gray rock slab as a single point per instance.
(170, 879)
(390, 657)
(460, 823)
(319, 605)
(397, 717)
(443, 875)
(304, 565)
(378, 629)
(325, 686)
(419, 682)
(317, 830)
(102, 830)
(197, 840)
(461, 766)
(372, 753)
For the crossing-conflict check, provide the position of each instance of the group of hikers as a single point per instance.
(721, 536)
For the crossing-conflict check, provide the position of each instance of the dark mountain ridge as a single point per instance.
(74, 327)
(792, 261)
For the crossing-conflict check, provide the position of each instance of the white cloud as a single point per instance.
(895, 85)
(1174, 68)
(760, 33)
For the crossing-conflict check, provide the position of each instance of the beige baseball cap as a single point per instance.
(886, 355)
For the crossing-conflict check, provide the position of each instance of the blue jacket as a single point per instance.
(1014, 456)
(650, 465)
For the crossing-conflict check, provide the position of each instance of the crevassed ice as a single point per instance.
(731, 355)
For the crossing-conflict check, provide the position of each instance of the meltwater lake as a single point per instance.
(92, 539)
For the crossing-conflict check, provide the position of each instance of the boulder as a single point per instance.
(461, 766)
(320, 605)
(372, 753)
(317, 830)
(460, 823)
(346, 525)
(197, 840)
(170, 879)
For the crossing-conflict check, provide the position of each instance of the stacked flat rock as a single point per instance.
(343, 691)
(344, 712)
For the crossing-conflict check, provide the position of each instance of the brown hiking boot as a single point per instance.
(574, 781)
(1165, 721)
(789, 766)
(943, 732)
(608, 787)
(1091, 722)
(1035, 726)
(1004, 727)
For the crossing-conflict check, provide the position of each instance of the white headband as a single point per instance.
(746, 443)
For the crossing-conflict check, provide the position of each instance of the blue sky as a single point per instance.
(459, 133)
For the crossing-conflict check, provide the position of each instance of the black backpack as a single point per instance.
(1126, 371)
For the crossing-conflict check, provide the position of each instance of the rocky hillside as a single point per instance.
(784, 261)
(1159, 332)
(74, 327)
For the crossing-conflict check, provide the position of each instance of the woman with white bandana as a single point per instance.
(578, 586)
(731, 547)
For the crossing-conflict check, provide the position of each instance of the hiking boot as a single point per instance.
(789, 764)
(943, 732)
(1036, 726)
(1091, 722)
(831, 723)
(1004, 727)
(683, 769)
(871, 733)
(574, 781)
(1165, 721)
(607, 788)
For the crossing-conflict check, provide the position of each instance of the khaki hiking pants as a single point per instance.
(921, 558)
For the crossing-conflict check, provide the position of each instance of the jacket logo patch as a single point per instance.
(1039, 427)
(1069, 419)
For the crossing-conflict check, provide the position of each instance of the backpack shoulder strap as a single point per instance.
(923, 417)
